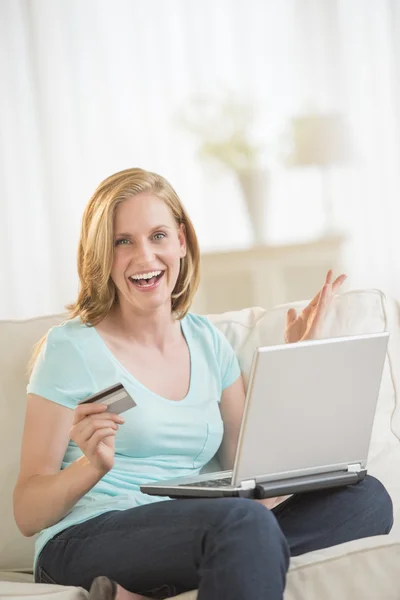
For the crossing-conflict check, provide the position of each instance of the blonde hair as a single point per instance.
(97, 292)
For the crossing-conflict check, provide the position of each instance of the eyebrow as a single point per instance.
(128, 235)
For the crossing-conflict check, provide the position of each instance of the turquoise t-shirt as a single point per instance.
(160, 439)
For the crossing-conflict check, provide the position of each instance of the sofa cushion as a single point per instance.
(364, 569)
(33, 591)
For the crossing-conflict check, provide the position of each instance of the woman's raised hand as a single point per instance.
(308, 324)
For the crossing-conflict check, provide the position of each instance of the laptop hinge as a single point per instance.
(248, 484)
(354, 468)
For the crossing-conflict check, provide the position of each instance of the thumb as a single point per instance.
(290, 316)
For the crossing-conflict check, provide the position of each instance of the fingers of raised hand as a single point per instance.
(316, 321)
(335, 283)
(329, 277)
(315, 300)
(325, 297)
(329, 286)
(339, 281)
(290, 316)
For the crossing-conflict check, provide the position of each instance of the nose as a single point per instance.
(143, 252)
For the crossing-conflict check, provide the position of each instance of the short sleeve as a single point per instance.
(227, 359)
(60, 373)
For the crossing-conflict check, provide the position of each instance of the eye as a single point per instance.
(159, 236)
(122, 241)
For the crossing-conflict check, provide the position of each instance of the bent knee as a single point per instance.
(376, 497)
(376, 491)
(253, 513)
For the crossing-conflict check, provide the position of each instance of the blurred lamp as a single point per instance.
(320, 140)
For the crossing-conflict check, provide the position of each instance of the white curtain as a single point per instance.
(89, 88)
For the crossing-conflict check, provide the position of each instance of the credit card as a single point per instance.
(115, 397)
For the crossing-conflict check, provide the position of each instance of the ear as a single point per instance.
(182, 239)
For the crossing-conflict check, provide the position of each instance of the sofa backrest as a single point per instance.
(17, 339)
(351, 313)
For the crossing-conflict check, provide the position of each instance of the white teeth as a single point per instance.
(145, 275)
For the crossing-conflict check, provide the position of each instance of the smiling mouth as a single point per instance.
(146, 281)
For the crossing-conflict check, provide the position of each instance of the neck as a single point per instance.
(156, 328)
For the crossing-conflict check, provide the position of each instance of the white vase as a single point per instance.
(255, 187)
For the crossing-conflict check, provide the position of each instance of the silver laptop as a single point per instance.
(307, 421)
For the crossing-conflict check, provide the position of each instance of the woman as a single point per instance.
(81, 466)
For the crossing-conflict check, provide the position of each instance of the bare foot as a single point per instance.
(123, 594)
(103, 588)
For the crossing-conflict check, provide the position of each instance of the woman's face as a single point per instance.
(148, 246)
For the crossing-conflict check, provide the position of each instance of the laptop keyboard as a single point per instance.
(226, 481)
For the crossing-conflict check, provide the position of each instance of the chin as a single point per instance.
(154, 303)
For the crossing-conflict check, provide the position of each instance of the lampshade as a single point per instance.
(319, 139)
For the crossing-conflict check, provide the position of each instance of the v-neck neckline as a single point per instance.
(131, 377)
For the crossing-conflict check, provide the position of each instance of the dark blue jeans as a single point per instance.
(227, 548)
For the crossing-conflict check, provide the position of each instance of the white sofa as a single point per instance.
(365, 569)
